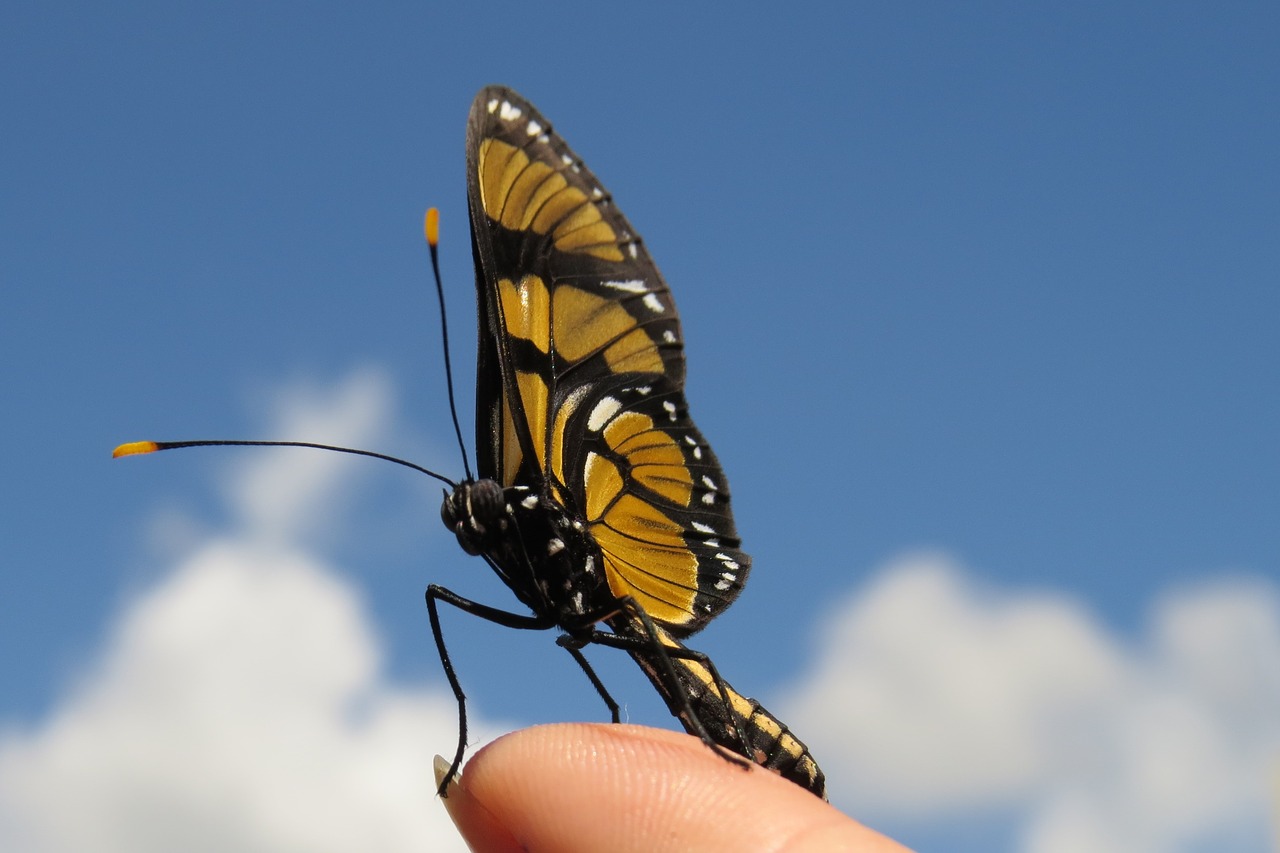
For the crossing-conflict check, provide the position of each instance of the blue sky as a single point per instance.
(981, 313)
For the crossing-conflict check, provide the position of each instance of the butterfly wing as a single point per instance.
(581, 370)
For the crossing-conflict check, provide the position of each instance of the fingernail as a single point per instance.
(441, 768)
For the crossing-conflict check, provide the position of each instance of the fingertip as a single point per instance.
(585, 787)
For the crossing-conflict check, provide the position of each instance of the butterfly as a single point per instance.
(597, 500)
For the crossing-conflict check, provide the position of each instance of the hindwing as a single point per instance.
(581, 370)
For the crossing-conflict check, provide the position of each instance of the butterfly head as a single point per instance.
(476, 512)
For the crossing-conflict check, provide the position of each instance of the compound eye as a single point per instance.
(449, 513)
(471, 510)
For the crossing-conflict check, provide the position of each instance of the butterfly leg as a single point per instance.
(656, 651)
(573, 646)
(492, 614)
(725, 693)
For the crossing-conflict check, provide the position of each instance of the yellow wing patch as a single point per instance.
(524, 310)
(635, 352)
(656, 460)
(511, 452)
(645, 553)
(530, 195)
(604, 483)
(585, 323)
(533, 395)
(645, 556)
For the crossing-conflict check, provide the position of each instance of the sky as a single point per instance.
(980, 309)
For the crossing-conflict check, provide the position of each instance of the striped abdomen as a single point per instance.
(769, 741)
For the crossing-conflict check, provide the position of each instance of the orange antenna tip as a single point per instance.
(134, 448)
(432, 226)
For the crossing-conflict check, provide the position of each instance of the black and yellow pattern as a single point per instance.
(730, 718)
(582, 371)
(597, 499)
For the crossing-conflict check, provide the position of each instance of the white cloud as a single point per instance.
(935, 697)
(239, 704)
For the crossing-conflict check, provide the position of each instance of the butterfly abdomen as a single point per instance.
(727, 716)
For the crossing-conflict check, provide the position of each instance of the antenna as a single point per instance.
(138, 448)
(431, 227)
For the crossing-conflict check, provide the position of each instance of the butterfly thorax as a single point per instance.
(539, 548)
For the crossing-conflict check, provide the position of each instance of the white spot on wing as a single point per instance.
(728, 562)
(703, 528)
(669, 336)
(509, 111)
(631, 285)
(529, 502)
(533, 128)
(603, 413)
(654, 304)
(708, 482)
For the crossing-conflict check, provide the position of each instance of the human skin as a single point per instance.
(590, 787)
